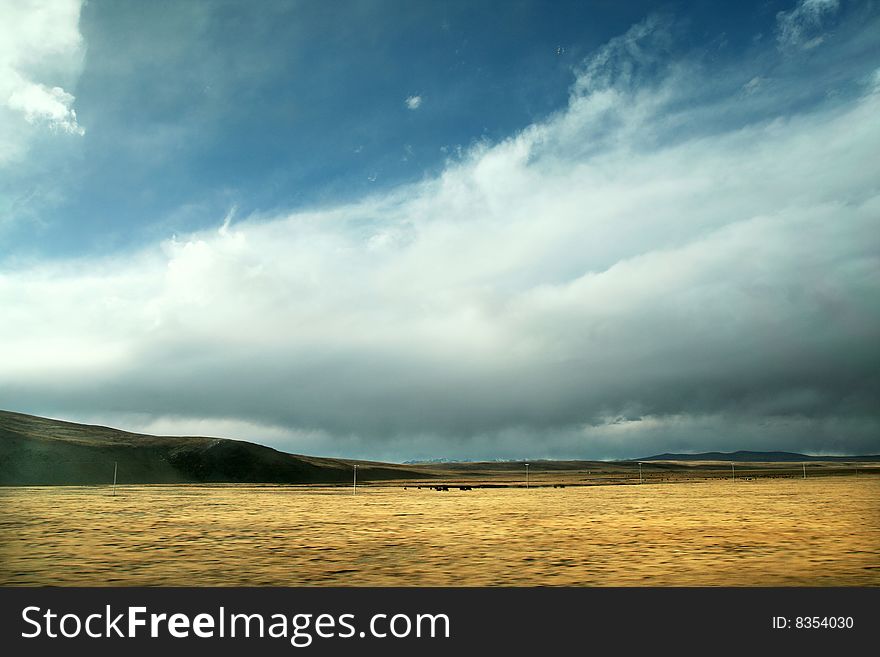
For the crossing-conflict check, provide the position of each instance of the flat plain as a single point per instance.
(821, 531)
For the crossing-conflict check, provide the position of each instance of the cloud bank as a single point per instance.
(667, 264)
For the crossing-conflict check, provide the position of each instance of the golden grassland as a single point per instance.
(821, 531)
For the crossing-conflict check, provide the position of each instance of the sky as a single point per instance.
(460, 230)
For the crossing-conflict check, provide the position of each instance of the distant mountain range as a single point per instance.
(754, 457)
(40, 451)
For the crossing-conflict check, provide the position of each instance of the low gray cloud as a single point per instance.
(668, 264)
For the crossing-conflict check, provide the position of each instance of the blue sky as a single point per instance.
(466, 229)
(194, 108)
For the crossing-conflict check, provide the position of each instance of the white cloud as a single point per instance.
(753, 85)
(413, 102)
(802, 26)
(594, 266)
(41, 50)
(39, 104)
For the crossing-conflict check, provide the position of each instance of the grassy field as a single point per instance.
(822, 531)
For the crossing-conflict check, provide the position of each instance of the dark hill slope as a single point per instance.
(37, 451)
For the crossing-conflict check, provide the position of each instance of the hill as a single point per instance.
(41, 451)
(757, 457)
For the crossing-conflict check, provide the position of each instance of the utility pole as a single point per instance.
(640, 472)
(527, 475)
(354, 488)
(115, 466)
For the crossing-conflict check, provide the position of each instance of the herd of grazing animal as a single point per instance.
(443, 488)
